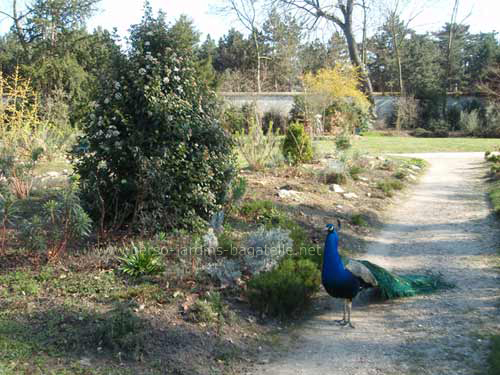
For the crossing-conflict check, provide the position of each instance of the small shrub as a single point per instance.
(297, 146)
(141, 260)
(491, 123)
(227, 244)
(406, 112)
(261, 211)
(275, 121)
(208, 309)
(359, 220)
(453, 116)
(389, 185)
(201, 312)
(19, 174)
(343, 142)
(235, 119)
(469, 122)
(224, 271)
(495, 197)
(388, 165)
(418, 162)
(238, 190)
(61, 222)
(421, 133)
(256, 147)
(121, 330)
(355, 171)
(338, 178)
(439, 128)
(8, 213)
(286, 289)
(400, 175)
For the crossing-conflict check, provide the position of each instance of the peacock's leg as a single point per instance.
(349, 308)
(343, 322)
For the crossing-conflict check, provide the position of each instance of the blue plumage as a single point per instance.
(347, 281)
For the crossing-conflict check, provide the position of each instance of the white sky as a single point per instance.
(484, 15)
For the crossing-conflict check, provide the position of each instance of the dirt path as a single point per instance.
(445, 225)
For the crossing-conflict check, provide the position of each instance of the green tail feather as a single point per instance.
(395, 286)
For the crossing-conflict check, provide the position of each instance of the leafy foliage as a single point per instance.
(140, 260)
(285, 289)
(61, 222)
(297, 145)
(256, 147)
(152, 154)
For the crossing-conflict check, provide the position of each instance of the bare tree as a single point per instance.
(247, 13)
(340, 14)
(392, 12)
(17, 19)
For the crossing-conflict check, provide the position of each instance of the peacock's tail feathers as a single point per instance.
(395, 286)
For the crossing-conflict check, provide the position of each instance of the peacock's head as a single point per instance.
(330, 228)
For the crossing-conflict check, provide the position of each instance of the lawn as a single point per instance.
(381, 144)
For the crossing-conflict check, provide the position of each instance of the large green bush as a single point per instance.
(285, 289)
(297, 146)
(152, 154)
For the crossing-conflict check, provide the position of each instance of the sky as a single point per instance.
(483, 15)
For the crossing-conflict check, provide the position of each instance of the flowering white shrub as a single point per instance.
(152, 154)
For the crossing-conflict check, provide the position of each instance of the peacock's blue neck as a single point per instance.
(333, 267)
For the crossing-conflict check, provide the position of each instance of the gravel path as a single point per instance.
(444, 225)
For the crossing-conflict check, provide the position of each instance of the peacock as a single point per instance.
(347, 281)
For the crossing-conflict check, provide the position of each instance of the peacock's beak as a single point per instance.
(326, 229)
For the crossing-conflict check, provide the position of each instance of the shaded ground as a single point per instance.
(445, 226)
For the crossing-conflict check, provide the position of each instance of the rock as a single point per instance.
(415, 167)
(337, 188)
(283, 193)
(85, 362)
(364, 179)
(350, 196)
(369, 195)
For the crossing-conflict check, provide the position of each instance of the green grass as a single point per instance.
(379, 145)
(495, 197)
(494, 358)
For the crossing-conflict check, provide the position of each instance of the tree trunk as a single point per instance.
(366, 84)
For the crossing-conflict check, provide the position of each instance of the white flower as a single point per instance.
(147, 44)
(176, 69)
(118, 96)
(117, 85)
(166, 80)
(170, 118)
(106, 101)
(177, 78)
(142, 71)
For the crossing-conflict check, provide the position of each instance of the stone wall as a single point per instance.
(282, 102)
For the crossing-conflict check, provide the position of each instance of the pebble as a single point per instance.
(350, 196)
(337, 188)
